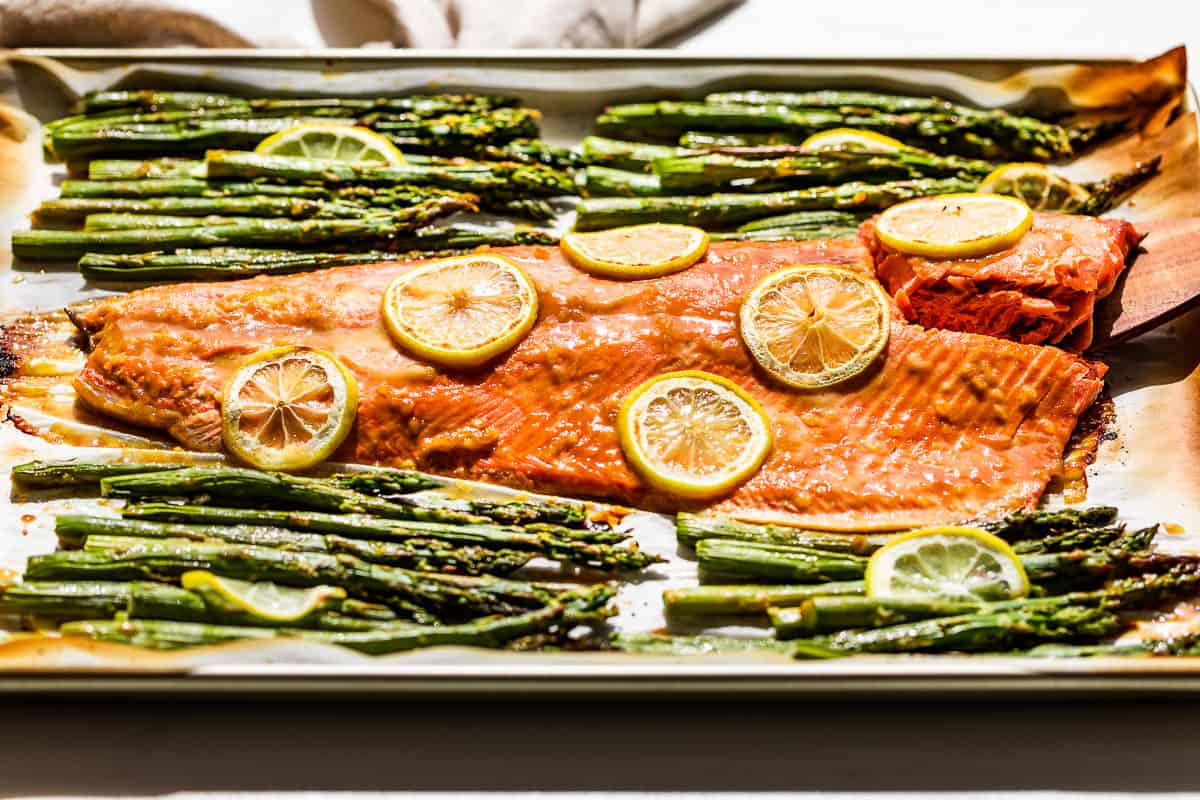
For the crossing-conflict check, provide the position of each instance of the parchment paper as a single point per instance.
(1151, 469)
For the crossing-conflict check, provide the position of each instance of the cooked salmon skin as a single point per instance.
(946, 426)
(1042, 290)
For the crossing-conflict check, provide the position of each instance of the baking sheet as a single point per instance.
(1151, 468)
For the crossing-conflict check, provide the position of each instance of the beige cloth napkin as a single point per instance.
(399, 23)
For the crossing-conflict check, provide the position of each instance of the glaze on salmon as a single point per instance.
(1041, 290)
(946, 426)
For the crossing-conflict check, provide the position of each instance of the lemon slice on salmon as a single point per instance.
(954, 225)
(1036, 186)
(852, 139)
(949, 562)
(636, 251)
(267, 601)
(814, 326)
(331, 141)
(461, 312)
(288, 408)
(693, 434)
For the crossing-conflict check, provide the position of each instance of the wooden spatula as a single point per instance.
(1162, 282)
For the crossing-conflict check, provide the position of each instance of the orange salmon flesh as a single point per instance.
(945, 426)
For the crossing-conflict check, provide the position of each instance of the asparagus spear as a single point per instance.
(722, 171)
(983, 134)
(554, 511)
(1000, 630)
(708, 140)
(135, 169)
(491, 631)
(246, 484)
(55, 474)
(804, 219)
(797, 233)
(488, 180)
(691, 528)
(660, 645)
(121, 221)
(99, 101)
(78, 141)
(455, 596)
(632, 156)
(701, 601)
(184, 187)
(1080, 539)
(455, 131)
(892, 103)
(726, 210)
(822, 613)
(1038, 524)
(723, 558)
(76, 209)
(589, 550)
(608, 182)
(56, 244)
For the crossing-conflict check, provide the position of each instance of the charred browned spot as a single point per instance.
(8, 354)
(1098, 424)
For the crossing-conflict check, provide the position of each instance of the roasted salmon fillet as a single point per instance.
(945, 426)
(1040, 291)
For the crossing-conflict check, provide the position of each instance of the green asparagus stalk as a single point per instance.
(822, 613)
(1080, 539)
(79, 141)
(141, 222)
(135, 169)
(455, 131)
(654, 644)
(56, 474)
(981, 134)
(491, 631)
(1039, 524)
(554, 511)
(794, 234)
(631, 156)
(90, 599)
(754, 600)
(591, 549)
(721, 559)
(608, 182)
(841, 99)
(805, 219)
(525, 151)
(185, 187)
(709, 140)
(488, 180)
(151, 99)
(728, 210)
(1000, 630)
(727, 172)
(229, 263)
(448, 596)
(72, 210)
(691, 528)
(57, 245)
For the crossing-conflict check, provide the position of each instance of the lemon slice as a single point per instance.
(693, 434)
(636, 251)
(288, 408)
(852, 139)
(814, 326)
(1036, 186)
(954, 225)
(268, 601)
(461, 312)
(331, 141)
(951, 562)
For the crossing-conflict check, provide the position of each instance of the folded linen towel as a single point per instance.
(399, 23)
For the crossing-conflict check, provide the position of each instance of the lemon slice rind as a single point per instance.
(1036, 185)
(268, 601)
(965, 225)
(636, 251)
(793, 312)
(947, 562)
(651, 419)
(281, 390)
(331, 141)
(852, 139)
(461, 311)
